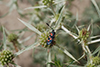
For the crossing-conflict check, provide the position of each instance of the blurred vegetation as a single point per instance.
(57, 13)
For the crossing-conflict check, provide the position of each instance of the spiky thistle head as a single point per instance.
(48, 2)
(12, 37)
(6, 57)
(43, 39)
(90, 65)
(84, 34)
(96, 60)
(41, 27)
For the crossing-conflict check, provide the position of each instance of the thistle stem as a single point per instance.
(88, 50)
(15, 47)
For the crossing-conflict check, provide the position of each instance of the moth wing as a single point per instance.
(49, 42)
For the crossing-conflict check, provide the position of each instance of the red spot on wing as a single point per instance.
(51, 34)
(50, 38)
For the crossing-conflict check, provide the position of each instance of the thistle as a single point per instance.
(47, 2)
(43, 39)
(91, 65)
(12, 37)
(96, 60)
(41, 27)
(6, 57)
(84, 35)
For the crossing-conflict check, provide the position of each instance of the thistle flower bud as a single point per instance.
(91, 65)
(47, 2)
(43, 39)
(6, 57)
(41, 27)
(96, 60)
(84, 34)
(12, 37)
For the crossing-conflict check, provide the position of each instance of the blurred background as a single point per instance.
(36, 57)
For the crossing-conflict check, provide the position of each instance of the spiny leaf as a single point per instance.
(70, 33)
(76, 19)
(27, 48)
(77, 29)
(82, 56)
(30, 27)
(35, 7)
(60, 18)
(4, 39)
(98, 49)
(96, 6)
(93, 37)
(94, 41)
(29, 37)
(67, 53)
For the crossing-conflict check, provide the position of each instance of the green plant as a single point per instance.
(6, 57)
(58, 16)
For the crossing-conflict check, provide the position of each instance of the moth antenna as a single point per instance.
(49, 26)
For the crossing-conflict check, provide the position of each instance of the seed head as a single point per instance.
(96, 60)
(43, 39)
(12, 37)
(48, 2)
(41, 27)
(91, 65)
(6, 57)
(84, 34)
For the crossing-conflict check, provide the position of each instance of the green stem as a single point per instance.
(49, 58)
(15, 47)
(90, 55)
